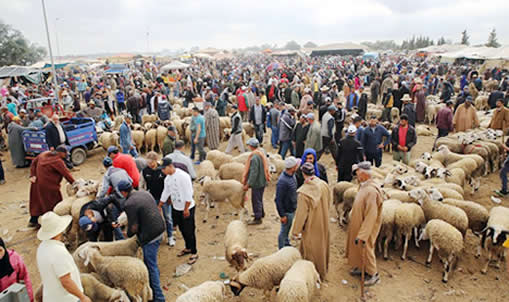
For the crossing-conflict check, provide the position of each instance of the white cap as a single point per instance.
(351, 129)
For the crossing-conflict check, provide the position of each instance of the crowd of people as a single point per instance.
(313, 107)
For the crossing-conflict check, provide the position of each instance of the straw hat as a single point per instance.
(52, 225)
(406, 97)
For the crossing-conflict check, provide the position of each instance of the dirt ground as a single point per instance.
(400, 280)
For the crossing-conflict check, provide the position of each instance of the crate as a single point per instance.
(15, 293)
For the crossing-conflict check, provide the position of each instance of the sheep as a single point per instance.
(452, 144)
(128, 273)
(455, 175)
(161, 133)
(299, 283)
(395, 114)
(208, 291)
(387, 228)
(148, 118)
(99, 292)
(219, 190)
(117, 123)
(447, 240)
(266, 272)
(481, 102)
(436, 210)
(348, 199)
(80, 188)
(423, 130)
(444, 188)
(408, 217)
(231, 171)
(338, 191)
(494, 235)
(448, 192)
(241, 158)
(477, 216)
(150, 139)
(206, 168)
(108, 139)
(218, 158)
(249, 128)
(128, 247)
(235, 243)
(431, 112)
(398, 195)
(138, 138)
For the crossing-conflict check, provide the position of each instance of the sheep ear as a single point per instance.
(86, 253)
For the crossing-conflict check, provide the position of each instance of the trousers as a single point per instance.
(187, 228)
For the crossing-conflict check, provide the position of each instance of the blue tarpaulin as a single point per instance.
(116, 68)
(57, 66)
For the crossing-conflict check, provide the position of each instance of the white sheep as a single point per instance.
(388, 227)
(496, 232)
(436, 210)
(408, 217)
(266, 272)
(99, 292)
(423, 130)
(231, 170)
(448, 242)
(338, 191)
(128, 247)
(218, 158)
(223, 190)
(208, 291)
(299, 283)
(128, 273)
(235, 243)
(206, 168)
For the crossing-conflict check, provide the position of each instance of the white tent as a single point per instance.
(174, 65)
(482, 53)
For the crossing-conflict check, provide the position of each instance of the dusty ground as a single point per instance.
(401, 280)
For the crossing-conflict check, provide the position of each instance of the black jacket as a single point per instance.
(143, 216)
(321, 169)
(104, 206)
(409, 110)
(52, 136)
(236, 121)
(411, 138)
(494, 97)
(252, 114)
(155, 181)
(349, 152)
(362, 106)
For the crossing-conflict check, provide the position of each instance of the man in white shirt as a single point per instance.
(178, 189)
(60, 276)
(180, 159)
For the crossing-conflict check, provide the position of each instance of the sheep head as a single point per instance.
(236, 287)
(497, 234)
(240, 257)
(421, 167)
(426, 156)
(399, 169)
(424, 235)
(434, 194)
(119, 296)
(418, 194)
(203, 180)
(88, 188)
(443, 173)
(400, 184)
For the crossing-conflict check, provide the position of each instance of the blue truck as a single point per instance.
(80, 132)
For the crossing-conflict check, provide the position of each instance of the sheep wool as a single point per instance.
(267, 272)
(218, 158)
(98, 292)
(232, 170)
(206, 168)
(223, 190)
(235, 242)
(299, 283)
(208, 291)
(127, 273)
(408, 217)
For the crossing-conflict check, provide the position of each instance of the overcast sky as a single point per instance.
(93, 26)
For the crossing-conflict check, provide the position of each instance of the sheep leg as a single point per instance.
(405, 247)
(447, 268)
(416, 237)
(485, 268)
(386, 248)
(207, 204)
(379, 245)
(478, 252)
(430, 256)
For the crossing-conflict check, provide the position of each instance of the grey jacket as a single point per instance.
(111, 179)
(179, 157)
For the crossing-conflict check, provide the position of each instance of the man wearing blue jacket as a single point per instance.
(126, 140)
(286, 199)
(372, 141)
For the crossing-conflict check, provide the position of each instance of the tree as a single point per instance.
(15, 49)
(492, 39)
(441, 41)
(310, 45)
(382, 45)
(292, 45)
(465, 38)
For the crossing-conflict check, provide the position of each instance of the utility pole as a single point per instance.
(56, 36)
(50, 51)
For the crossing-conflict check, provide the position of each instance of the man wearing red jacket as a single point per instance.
(126, 162)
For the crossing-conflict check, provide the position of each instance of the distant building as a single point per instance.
(341, 49)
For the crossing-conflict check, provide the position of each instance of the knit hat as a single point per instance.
(310, 116)
(253, 142)
(124, 186)
(351, 130)
(166, 162)
(291, 162)
(112, 149)
(365, 165)
(308, 169)
(107, 162)
(332, 107)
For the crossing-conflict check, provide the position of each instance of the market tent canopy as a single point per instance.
(174, 65)
(479, 53)
(342, 49)
(15, 71)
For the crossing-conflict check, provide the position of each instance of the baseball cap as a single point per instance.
(107, 161)
(332, 107)
(365, 165)
(308, 169)
(253, 142)
(291, 162)
(171, 128)
(166, 162)
(310, 116)
(112, 149)
(124, 185)
(87, 225)
(61, 149)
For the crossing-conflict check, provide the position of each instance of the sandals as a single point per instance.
(183, 252)
(193, 259)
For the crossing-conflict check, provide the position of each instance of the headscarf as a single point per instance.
(315, 163)
(5, 264)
